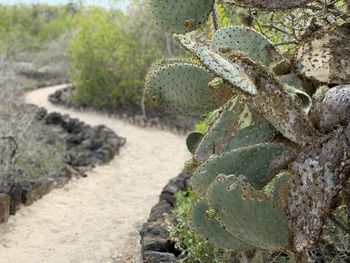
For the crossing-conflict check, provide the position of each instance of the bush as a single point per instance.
(107, 62)
(111, 53)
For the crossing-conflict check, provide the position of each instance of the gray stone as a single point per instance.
(158, 211)
(158, 257)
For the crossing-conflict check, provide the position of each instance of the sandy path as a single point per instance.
(95, 219)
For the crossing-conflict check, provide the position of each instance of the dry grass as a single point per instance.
(24, 147)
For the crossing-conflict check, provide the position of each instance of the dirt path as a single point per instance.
(95, 219)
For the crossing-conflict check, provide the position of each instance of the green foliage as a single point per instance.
(110, 54)
(204, 125)
(101, 55)
(27, 28)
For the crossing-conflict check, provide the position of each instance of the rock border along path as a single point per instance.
(96, 219)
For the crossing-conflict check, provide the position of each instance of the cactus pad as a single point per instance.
(217, 64)
(248, 213)
(192, 141)
(180, 16)
(235, 128)
(275, 103)
(272, 102)
(254, 162)
(244, 39)
(183, 89)
(209, 228)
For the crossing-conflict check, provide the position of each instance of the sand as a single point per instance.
(96, 219)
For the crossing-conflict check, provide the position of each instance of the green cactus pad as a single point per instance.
(254, 134)
(180, 16)
(247, 40)
(217, 64)
(248, 213)
(183, 89)
(254, 162)
(233, 130)
(210, 229)
(192, 141)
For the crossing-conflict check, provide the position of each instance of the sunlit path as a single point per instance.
(95, 219)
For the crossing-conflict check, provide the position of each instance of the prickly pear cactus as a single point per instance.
(244, 39)
(180, 16)
(269, 131)
(236, 127)
(183, 88)
(205, 223)
(256, 163)
(217, 64)
(248, 213)
(259, 87)
(258, 48)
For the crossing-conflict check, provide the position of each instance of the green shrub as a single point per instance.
(109, 56)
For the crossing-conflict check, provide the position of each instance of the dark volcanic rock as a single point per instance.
(176, 184)
(156, 245)
(158, 257)
(158, 211)
(53, 118)
(155, 238)
(40, 114)
(33, 190)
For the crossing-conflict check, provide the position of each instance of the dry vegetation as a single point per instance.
(24, 142)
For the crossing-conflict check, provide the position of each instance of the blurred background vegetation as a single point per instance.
(104, 51)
